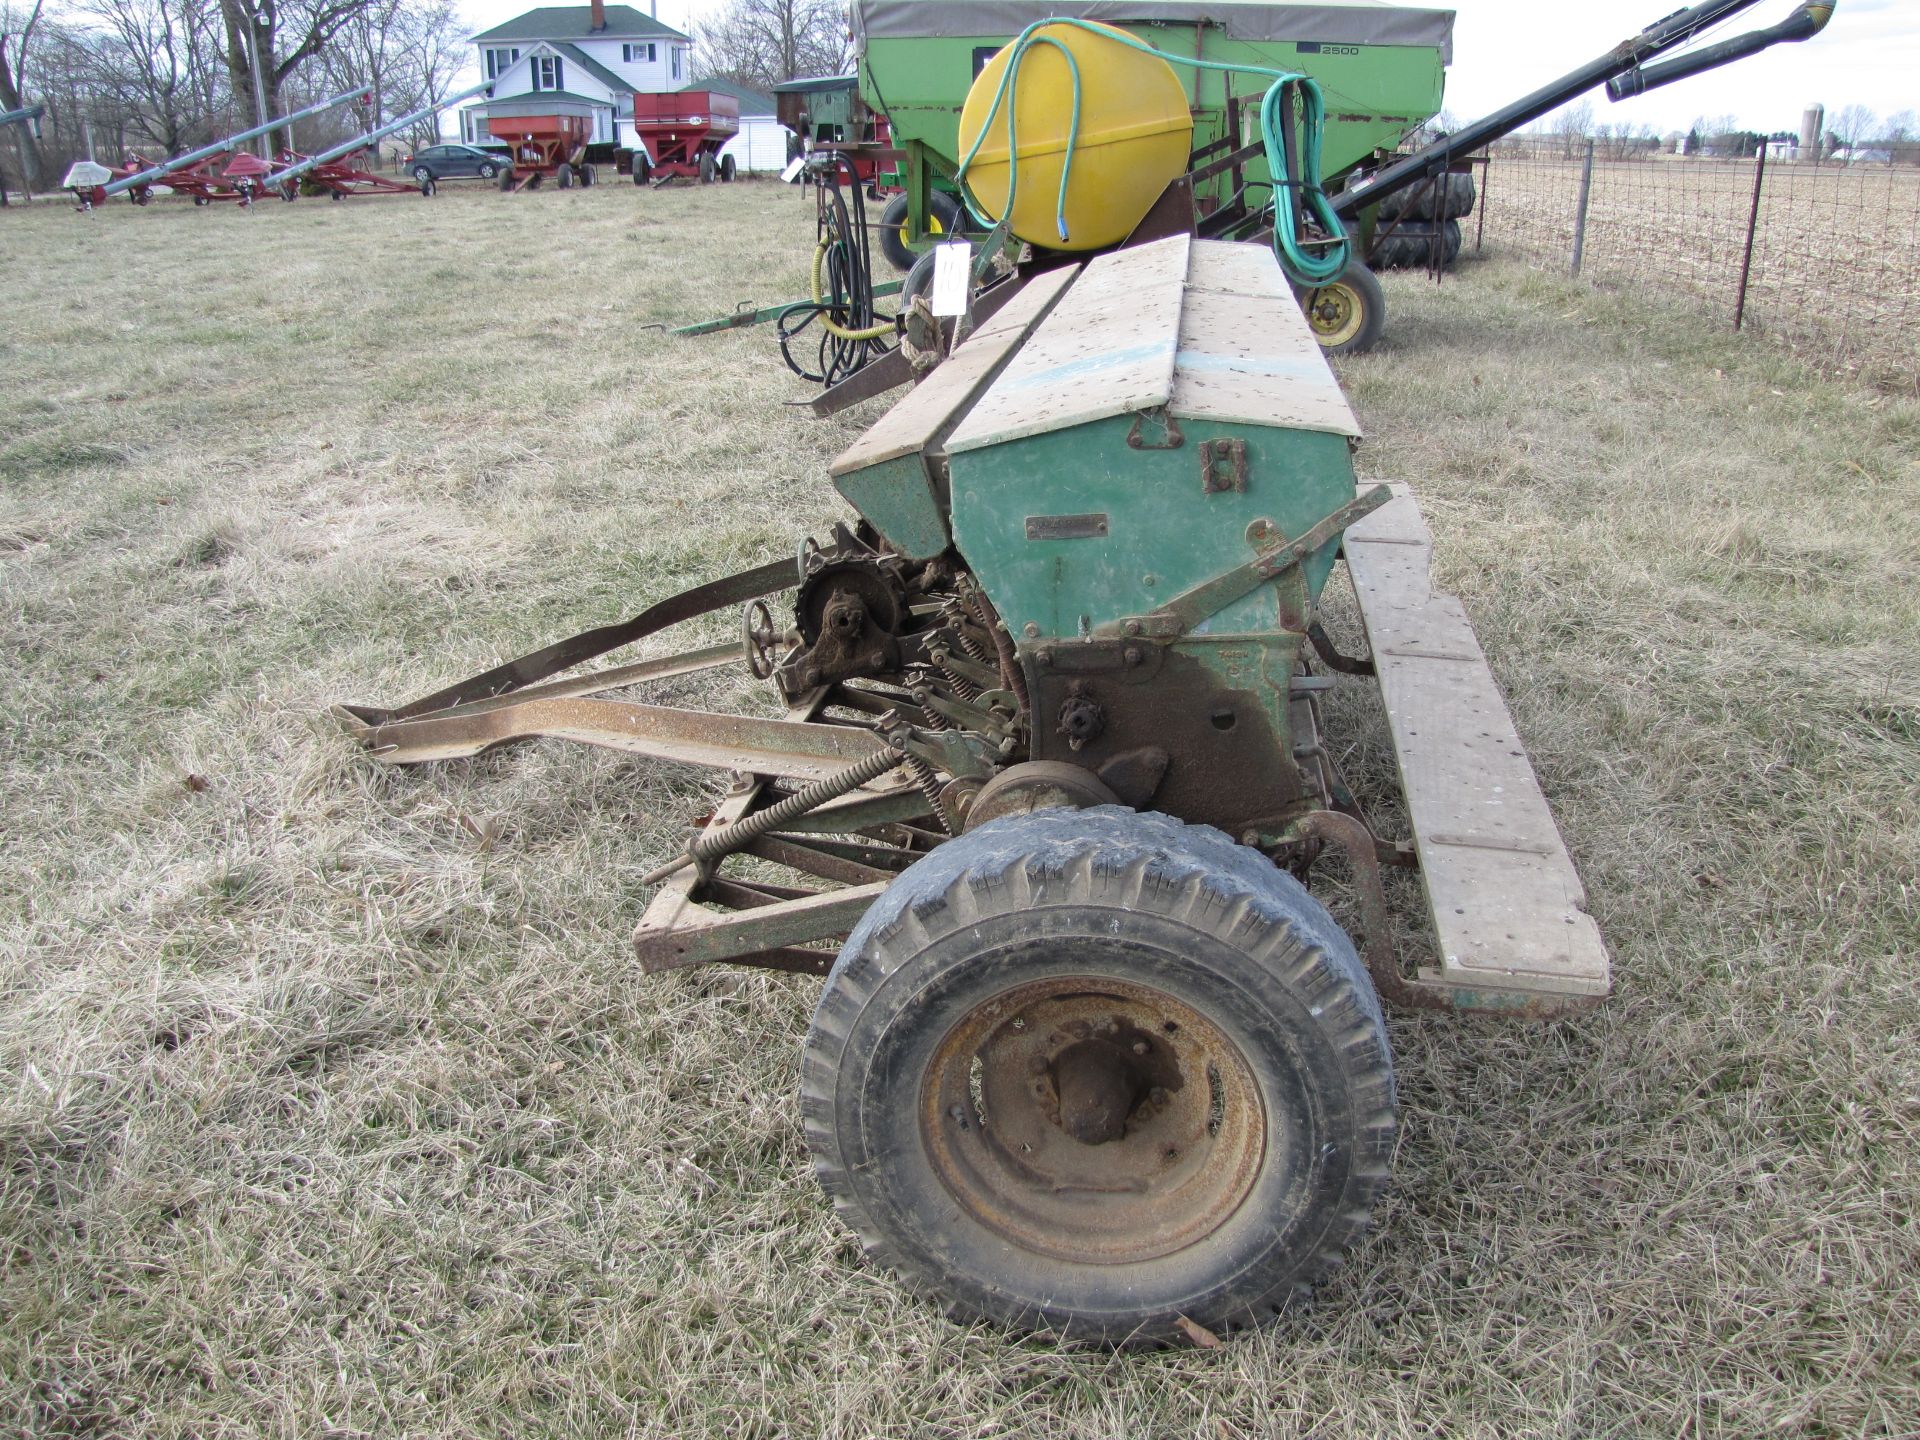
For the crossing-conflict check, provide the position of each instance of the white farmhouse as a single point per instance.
(588, 59)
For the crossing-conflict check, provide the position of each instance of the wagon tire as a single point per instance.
(706, 167)
(1348, 313)
(506, 181)
(429, 187)
(201, 200)
(563, 177)
(728, 169)
(642, 169)
(588, 175)
(1100, 1074)
(943, 218)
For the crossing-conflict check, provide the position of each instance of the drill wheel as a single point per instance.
(1100, 1074)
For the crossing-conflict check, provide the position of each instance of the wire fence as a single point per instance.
(1823, 258)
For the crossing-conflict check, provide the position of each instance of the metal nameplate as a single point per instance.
(1066, 527)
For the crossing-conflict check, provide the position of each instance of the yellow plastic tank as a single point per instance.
(1134, 137)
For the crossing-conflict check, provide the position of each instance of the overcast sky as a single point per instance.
(1869, 55)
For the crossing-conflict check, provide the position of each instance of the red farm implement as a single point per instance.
(554, 144)
(342, 177)
(681, 133)
(194, 174)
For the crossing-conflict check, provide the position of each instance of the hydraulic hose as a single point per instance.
(1304, 192)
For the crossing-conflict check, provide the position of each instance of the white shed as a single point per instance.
(761, 144)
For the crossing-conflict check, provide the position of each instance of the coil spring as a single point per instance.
(710, 843)
(963, 688)
(929, 783)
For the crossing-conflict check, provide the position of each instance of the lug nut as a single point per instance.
(1139, 1047)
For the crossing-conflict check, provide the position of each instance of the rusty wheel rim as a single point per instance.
(1094, 1120)
(1336, 314)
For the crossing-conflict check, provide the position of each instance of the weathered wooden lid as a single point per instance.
(1205, 329)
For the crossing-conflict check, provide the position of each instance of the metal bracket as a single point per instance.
(1273, 555)
(1170, 438)
(1223, 466)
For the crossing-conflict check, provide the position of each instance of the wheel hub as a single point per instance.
(1093, 1120)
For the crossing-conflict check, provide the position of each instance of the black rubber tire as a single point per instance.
(421, 174)
(642, 169)
(1360, 304)
(488, 171)
(706, 167)
(588, 175)
(1412, 248)
(429, 188)
(942, 210)
(1137, 899)
(919, 280)
(1446, 199)
(563, 177)
(201, 200)
(728, 169)
(506, 181)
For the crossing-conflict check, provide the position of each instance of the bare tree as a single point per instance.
(1571, 126)
(1852, 125)
(1624, 141)
(156, 64)
(763, 42)
(408, 50)
(16, 34)
(283, 39)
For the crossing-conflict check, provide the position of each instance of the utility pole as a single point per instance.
(259, 87)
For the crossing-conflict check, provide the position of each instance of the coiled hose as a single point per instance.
(852, 333)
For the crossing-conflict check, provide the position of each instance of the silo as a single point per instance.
(1812, 123)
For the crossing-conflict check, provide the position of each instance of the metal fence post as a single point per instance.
(1580, 218)
(1486, 171)
(1753, 224)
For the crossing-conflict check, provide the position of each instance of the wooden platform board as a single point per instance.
(1508, 907)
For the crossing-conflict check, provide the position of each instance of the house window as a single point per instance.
(500, 61)
(549, 73)
(639, 54)
(676, 62)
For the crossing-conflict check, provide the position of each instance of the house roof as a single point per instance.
(575, 22)
(574, 55)
(815, 84)
(752, 102)
(531, 102)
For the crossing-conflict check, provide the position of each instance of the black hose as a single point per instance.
(847, 289)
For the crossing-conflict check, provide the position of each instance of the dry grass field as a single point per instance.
(331, 1103)
(1836, 254)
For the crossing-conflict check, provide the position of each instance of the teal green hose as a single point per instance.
(1301, 266)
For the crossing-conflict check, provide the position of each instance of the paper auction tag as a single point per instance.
(952, 270)
(794, 167)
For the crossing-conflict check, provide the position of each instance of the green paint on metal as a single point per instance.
(899, 497)
(1261, 666)
(1375, 94)
(1162, 533)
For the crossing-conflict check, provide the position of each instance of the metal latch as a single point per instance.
(1223, 466)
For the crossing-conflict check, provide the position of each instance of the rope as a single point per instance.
(1288, 91)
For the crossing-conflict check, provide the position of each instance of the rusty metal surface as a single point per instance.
(766, 579)
(1358, 844)
(1093, 1120)
(687, 934)
(687, 737)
